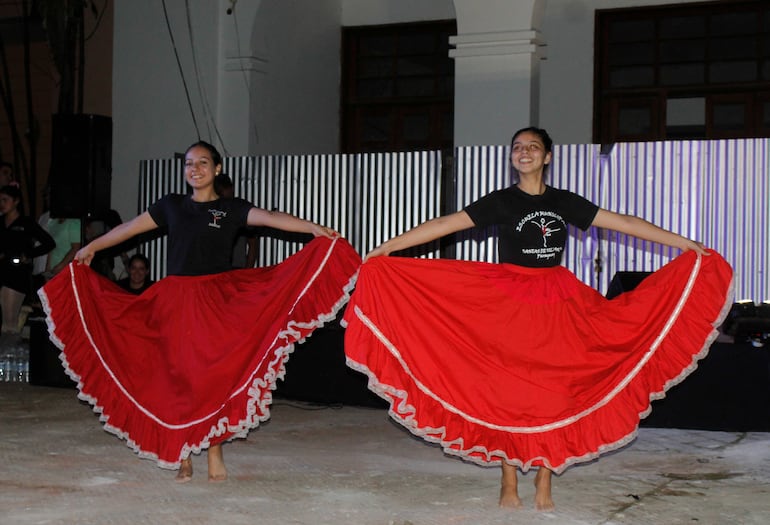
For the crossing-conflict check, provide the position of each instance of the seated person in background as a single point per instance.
(139, 275)
(104, 262)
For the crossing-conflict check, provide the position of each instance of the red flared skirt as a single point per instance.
(498, 362)
(192, 361)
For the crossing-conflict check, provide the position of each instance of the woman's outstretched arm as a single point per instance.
(638, 227)
(287, 222)
(426, 232)
(122, 232)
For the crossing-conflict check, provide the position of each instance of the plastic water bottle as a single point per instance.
(10, 368)
(22, 371)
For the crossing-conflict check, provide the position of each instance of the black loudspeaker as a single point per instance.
(624, 282)
(81, 165)
(729, 391)
(45, 368)
(316, 373)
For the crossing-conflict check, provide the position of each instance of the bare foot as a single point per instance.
(509, 497)
(217, 470)
(509, 488)
(185, 471)
(543, 499)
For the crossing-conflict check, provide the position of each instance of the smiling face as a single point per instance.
(528, 153)
(137, 272)
(200, 167)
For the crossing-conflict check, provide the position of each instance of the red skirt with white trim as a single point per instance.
(498, 362)
(192, 361)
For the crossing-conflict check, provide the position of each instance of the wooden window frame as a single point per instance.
(608, 99)
(355, 107)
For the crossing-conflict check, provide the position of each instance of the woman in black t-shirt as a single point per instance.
(21, 240)
(520, 364)
(191, 361)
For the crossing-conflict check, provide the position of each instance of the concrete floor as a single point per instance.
(348, 465)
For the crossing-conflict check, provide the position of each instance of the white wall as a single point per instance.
(296, 100)
(380, 12)
(151, 117)
(496, 55)
(271, 83)
(567, 75)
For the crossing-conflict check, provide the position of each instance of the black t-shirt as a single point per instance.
(19, 239)
(126, 285)
(200, 234)
(532, 229)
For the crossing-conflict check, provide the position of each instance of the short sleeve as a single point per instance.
(243, 208)
(487, 210)
(158, 211)
(581, 211)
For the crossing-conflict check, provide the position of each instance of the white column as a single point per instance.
(497, 53)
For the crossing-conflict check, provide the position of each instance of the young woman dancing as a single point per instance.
(520, 364)
(191, 362)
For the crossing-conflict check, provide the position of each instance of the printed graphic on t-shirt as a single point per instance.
(216, 216)
(546, 223)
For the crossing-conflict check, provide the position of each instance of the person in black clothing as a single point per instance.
(139, 273)
(532, 219)
(201, 229)
(21, 240)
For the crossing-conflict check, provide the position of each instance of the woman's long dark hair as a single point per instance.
(14, 192)
(540, 132)
(215, 156)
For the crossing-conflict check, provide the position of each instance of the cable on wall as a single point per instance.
(99, 17)
(210, 121)
(181, 72)
(230, 11)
